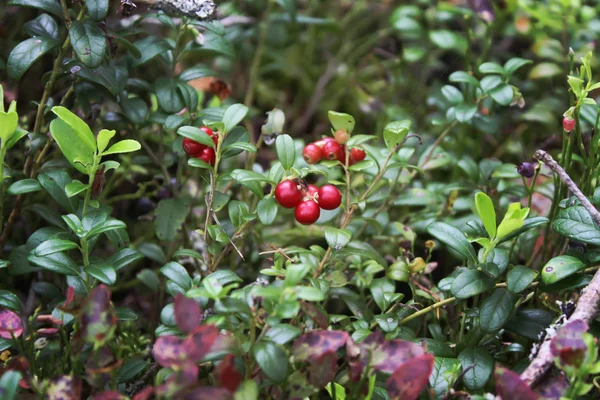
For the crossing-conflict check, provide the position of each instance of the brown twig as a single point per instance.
(587, 306)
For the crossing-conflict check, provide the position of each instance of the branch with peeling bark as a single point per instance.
(589, 302)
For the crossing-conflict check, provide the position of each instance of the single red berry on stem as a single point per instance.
(330, 197)
(207, 155)
(312, 153)
(287, 194)
(307, 212)
(568, 124)
(191, 147)
(334, 151)
(207, 130)
(341, 136)
(356, 155)
(312, 190)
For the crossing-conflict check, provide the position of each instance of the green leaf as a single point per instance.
(242, 146)
(149, 278)
(106, 226)
(15, 137)
(104, 273)
(170, 215)
(545, 70)
(104, 137)
(577, 224)
(294, 274)
(309, 293)
(78, 125)
(561, 267)
(9, 384)
(527, 225)
(23, 186)
(74, 188)
(233, 116)
(53, 246)
(272, 360)
(490, 82)
(453, 95)
(478, 364)
(496, 310)
(491, 68)
(502, 94)
(136, 109)
(337, 238)
(57, 262)
(51, 6)
(486, 212)
(22, 57)
(462, 76)
(123, 146)
(514, 64)
(508, 226)
(43, 25)
(465, 112)
(196, 134)
(286, 152)
(168, 96)
(150, 47)
(448, 40)
(395, 132)
(199, 71)
(453, 238)
(123, 258)
(341, 121)
(8, 124)
(441, 379)
(470, 283)
(267, 210)
(248, 390)
(97, 9)
(130, 369)
(10, 300)
(519, 278)
(88, 41)
(178, 274)
(283, 333)
(198, 163)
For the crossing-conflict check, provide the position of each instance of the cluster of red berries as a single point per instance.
(199, 150)
(307, 199)
(330, 148)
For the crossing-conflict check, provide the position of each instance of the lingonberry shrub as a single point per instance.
(182, 216)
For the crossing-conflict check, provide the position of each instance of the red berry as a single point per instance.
(215, 138)
(312, 153)
(312, 190)
(191, 147)
(356, 155)
(323, 141)
(568, 124)
(207, 130)
(307, 212)
(207, 155)
(334, 151)
(287, 194)
(330, 197)
(341, 136)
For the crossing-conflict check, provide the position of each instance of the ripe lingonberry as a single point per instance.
(568, 124)
(334, 151)
(330, 197)
(322, 142)
(287, 194)
(312, 190)
(207, 130)
(307, 212)
(191, 147)
(312, 153)
(356, 155)
(207, 155)
(341, 136)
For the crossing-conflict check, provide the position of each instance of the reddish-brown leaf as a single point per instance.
(64, 387)
(313, 344)
(70, 295)
(144, 394)
(169, 351)
(98, 319)
(46, 331)
(409, 380)
(200, 341)
(48, 319)
(209, 393)
(355, 365)
(569, 344)
(227, 374)
(314, 313)
(509, 386)
(323, 370)
(392, 354)
(10, 323)
(187, 313)
(112, 395)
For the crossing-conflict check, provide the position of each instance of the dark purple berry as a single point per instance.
(526, 169)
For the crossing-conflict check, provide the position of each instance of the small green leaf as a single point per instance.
(170, 215)
(51, 6)
(198, 163)
(341, 121)
(496, 310)
(514, 64)
(196, 134)
(286, 152)
(462, 76)
(123, 146)
(178, 274)
(453, 95)
(272, 360)
(104, 137)
(8, 124)
(577, 224)
(54, 246)
(233, 116)
(448, 40)
(78, 125)
(15, 137)
(97, 9)
(395, 132)
(9, 384)
(470, 283)
(75, 188)
(149, 278)
(88, 41)
(502, 94)
(267, 210)
(561, 267)
(104, 273)
(464, 113)
(337, 238)
(478, 364)
(453, 238)
(486, 212)
(23, 186)
(491, 68)
(22, 57)
(519, 278)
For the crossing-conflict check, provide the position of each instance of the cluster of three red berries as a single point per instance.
(329, 148)
(307, 199)
(202, 151)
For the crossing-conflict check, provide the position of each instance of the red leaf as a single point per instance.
(70, 295)
(65, 387)
(509, 386)
(144, 394)
(314, 313)
(47, 331)
(392, 354)
(227, 374)
(187, 313)
(48, 318)
(409, 380)
(200, 342)
(169, 351)
(112, 395)
(211, 393)
(323, 370)
(10, 323)
(569, 343)
(313, 344)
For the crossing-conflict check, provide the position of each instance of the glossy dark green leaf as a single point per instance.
(51, 6)
(514, 64)
(88, 41)
(168, 96)
(530, 323)
(170, 215)
(519, 278)
(577, 224)
(440, 378)
(491, 68)
(26, 53)
(561, 267)
(178, 274)
(470, 283)
(496, 310)
(453, 238)
(478, 365)
(337, 238)
(9, 384)
(150, 47)
(123, 258)
(43, 25)
(196, 134)
(104, 273)
(199, 71)
(267, 210)
(55, 183)
(135, 109)
(502, 94)
(54, 246)
(10, 300)
(97, 9)
(149, 278)
(57, 262)
(272, 360)
(234, 114)
(462, 76)
(23, 186)
(131, 368)
(283, 333)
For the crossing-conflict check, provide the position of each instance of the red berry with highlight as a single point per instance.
(322, 142)
(330, 197)
(568, 124)
(191, 147)
(307, 212)
(356, 155)
(312, 153)
(207, 155)
(287, 194)
(312, 190)
(334, 151)
(207, 130)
